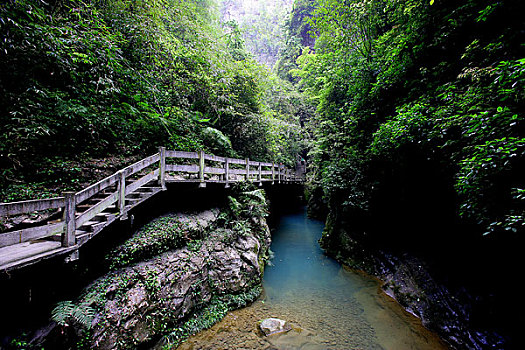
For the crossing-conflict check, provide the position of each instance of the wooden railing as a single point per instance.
(164, 166)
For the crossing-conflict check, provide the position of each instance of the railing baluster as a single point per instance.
(227, 173)
(68, 237)
(122, 195)
(202, 182)
(247, 169)
(162, 167)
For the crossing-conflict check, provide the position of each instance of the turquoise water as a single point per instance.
(327, 306)
(330, 306)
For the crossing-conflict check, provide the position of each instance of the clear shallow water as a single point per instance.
(328, 306)
(341, 308)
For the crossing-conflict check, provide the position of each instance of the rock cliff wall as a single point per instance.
(410, 280)
(177, 275)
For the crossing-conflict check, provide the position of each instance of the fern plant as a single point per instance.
(66, 313)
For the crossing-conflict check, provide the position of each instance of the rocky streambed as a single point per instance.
(320, 303)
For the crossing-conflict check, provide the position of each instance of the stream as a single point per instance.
(327, 305)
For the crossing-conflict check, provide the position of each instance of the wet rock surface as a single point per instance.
(320, 329)
(271, 326)
(408, 280)
(138, 303)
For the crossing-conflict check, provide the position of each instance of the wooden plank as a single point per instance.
(28, 234)
(23, 207)
(97, 209)
(142, 199)
(237, 161)
(193, 169)
(214, 158)
(29, 254)
(254, 163)
(214, 171)
(141, 164)
(181, 154)
(238, 171)
(96, 188)
(142, 181)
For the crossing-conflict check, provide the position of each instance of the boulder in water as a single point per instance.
(271, 326)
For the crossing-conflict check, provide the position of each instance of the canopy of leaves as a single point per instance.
(93, 78)
(433, 90)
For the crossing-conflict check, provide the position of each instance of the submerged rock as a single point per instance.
(272, 326)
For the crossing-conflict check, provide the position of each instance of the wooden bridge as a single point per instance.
(74, 218)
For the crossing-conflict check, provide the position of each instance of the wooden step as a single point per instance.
(105, 216)
(136, 195)
(91, 226)
(146, 189)
(54, 238)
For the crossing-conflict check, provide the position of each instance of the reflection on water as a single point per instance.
(328, 306)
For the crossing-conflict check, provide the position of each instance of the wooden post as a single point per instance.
(279, 172)
(247, 169)
(68, 237)
(121, 188)
(273, 172)
(227, 173)
(162, 167)
(202, 182)
(259, 177)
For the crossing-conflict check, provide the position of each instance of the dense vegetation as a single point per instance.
(415, 96)
(95, 79)
(417, 141)
(419, 135)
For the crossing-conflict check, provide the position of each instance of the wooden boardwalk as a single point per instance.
(75, 218)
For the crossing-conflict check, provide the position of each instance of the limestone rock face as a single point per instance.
(137, 302)
(272, 326)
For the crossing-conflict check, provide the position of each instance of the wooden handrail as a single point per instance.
(29, 206)
(249, 171)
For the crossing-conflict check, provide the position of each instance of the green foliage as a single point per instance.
(397, 80)
(216, 142)
(212, 313)
(97, 78)
(485, 182)
(248, 202)
(158, 236)
(67, 313)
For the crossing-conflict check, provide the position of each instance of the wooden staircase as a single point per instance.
(86, 213)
